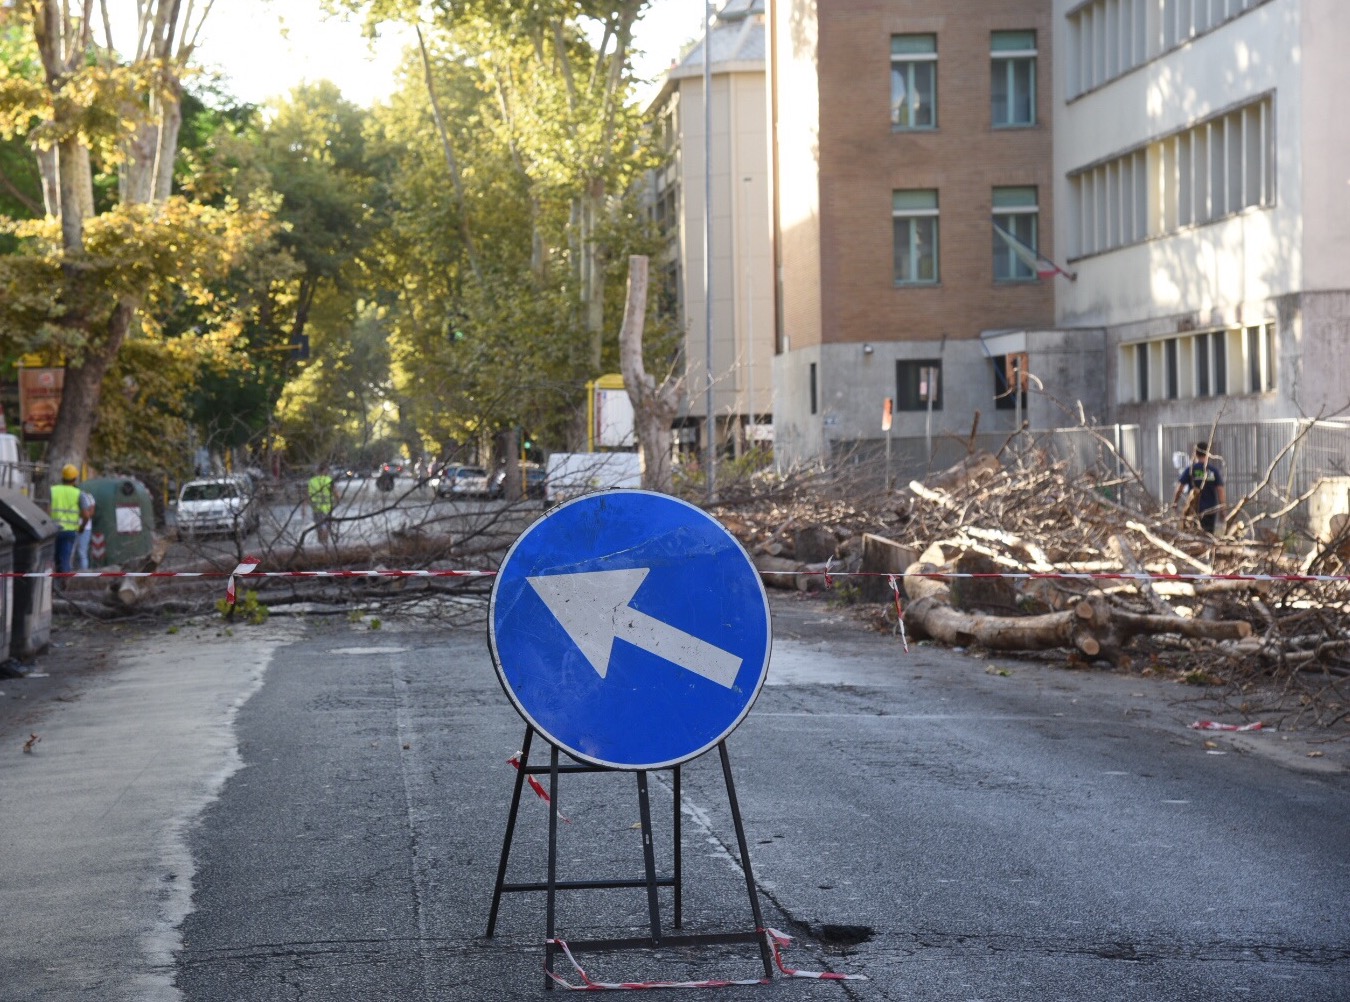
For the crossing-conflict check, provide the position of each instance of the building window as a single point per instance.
(1108, 204)
(1211, 364)
(1108, 38)
(1260, 358)
(914, 81)
(918, 384)
(915, 219)
(814, 403)
(1217, 168)
(1010, 371)
(1140, 372)
(1012, 86)
(1206, 364)
(1015, 234)
(668, 290)
(1171, 368)
(665, 211)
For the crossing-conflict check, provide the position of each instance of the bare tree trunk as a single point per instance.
(653, 406)
(451, 162)
(83, 389)
(506, 445)
(63, 39)
(593, 288)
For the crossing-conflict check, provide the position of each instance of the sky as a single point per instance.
(262, 59)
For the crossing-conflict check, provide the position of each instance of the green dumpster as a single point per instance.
(124, 521)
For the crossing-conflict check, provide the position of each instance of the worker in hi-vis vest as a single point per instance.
(65, 512)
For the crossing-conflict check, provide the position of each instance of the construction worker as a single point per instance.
(1202, 483)
(321, 500)
(65, 511)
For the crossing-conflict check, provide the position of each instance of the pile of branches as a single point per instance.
(1020, 552)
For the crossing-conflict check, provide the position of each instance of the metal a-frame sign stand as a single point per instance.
(650, 879)
(631, 631)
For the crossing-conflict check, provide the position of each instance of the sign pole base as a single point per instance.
(650, 880)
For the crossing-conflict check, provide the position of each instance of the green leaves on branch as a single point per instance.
(101, 106)
(159, 254)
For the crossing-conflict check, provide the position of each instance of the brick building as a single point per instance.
(911, 168)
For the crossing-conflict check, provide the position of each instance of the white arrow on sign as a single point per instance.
(592, 607)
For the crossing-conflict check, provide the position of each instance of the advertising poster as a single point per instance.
(39, 400)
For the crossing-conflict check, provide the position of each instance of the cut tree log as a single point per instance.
(1091, 625)
(881, 556)
(131, 592)
(1120, 546)
(974, 468)
(814, 544)
(776, 572)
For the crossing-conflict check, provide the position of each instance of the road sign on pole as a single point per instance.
(630, 629)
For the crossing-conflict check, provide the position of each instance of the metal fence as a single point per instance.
(1279, 460)
(1284, 458)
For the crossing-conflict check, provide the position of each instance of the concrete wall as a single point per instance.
(853, 385)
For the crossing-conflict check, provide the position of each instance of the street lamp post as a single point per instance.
(749, 318)
(710, 421)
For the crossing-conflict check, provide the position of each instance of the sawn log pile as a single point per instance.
(1017, 554)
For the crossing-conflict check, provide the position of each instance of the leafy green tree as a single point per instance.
(117, 245)
(307, 153)
(510, 215)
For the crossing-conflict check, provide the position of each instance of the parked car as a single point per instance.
(218, 504)
(536, 482)
(444, 482)
(468, 481)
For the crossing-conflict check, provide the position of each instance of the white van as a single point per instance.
(571, 474)
(218, 504)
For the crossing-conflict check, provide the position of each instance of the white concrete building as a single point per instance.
(1202, 175)
(741, 251)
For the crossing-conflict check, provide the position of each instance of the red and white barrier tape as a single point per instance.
(781, 939)
(830, 575)
(247, 566)
(899, 612)
(536, 786)
(1210, 725)
(1078, 576)
(777, 940)
(378, 573)
(250, 570)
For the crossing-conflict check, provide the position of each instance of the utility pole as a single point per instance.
(710, 421)
(749, 315)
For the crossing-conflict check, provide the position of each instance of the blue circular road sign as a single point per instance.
(630, 629)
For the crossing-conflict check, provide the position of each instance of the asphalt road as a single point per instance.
(313, 809)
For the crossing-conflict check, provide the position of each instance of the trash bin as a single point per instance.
(6, 588)
(124, 521)
(34, 553)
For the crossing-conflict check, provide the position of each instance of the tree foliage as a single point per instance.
(339, 282)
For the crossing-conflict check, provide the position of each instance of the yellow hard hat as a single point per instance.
(69, 473)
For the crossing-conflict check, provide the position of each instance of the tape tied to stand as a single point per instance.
(777, 942)
(536, 786)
